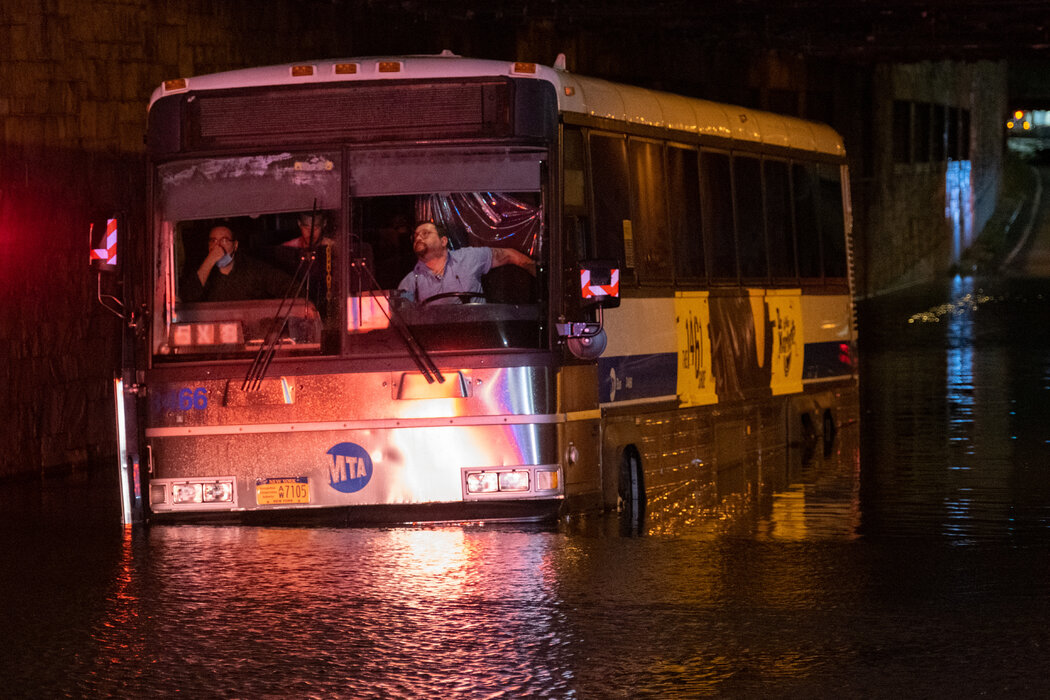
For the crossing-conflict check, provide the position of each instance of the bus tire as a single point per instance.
(829, 432)
(632, 485)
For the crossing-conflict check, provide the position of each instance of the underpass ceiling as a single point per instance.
(892, 30)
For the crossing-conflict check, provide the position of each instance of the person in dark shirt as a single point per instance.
(225, 275)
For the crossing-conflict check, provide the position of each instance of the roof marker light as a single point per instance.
(302, 71)
(344, 68)
(522, 67)
(174, 84)
(389, 66)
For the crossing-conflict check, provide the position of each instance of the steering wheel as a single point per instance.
(464, 297)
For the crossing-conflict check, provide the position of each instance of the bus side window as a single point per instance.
(750, 221)
(683, 200)
(613, 228)
(717, 206)
(807, 227)
(778, 219)
(649, 207)
(832, 221)
(574, 196)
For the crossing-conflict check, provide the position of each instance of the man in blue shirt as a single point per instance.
(439, 270)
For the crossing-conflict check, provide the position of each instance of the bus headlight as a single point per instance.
(482, 482)
(514, 481)
(187, 493)
(197, 492)
(218, 492)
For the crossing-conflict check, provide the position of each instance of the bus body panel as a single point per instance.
(704, 371)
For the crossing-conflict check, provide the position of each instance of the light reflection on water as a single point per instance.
(912, 560)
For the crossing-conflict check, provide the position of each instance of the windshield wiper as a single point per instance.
(263, 358)
(420, 356)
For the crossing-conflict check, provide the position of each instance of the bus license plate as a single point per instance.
(282, 491)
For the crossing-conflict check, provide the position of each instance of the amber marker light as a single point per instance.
(389, 66)
(174, 84)
(523, 67)
(345, 68)
(302, 71)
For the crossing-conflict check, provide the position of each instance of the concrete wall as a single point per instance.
(75, 76)
(905, 228)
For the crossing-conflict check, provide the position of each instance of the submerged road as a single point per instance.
(1033, 256)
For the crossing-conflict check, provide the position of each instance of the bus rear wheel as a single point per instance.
(631, 488)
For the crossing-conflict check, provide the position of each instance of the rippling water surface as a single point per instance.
(912, 561)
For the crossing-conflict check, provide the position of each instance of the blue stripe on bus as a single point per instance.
(629, 377)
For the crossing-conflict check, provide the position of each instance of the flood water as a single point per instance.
(912, 561)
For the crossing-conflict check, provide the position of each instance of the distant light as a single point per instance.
(1018, 114)
(1010, 124)
(1027, 125)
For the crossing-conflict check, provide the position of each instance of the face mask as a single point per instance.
(224, 260)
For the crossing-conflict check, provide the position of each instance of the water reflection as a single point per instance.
(912, 560)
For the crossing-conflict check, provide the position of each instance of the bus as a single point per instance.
(690, 308)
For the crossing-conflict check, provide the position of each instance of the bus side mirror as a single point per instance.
(600, 283)
(102, 239)
(599, 286)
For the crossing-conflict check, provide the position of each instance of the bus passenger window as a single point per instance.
(807, 228)
(832, 221)
(612, 216)
(717, 206)
(778, 219)
(683, 199)
(750, 223)
(649, 189)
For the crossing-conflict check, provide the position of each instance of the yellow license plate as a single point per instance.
(282, 491)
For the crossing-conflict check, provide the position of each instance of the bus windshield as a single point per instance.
(314, 251)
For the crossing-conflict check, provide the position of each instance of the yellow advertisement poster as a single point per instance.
(696, 384)
(785, 319)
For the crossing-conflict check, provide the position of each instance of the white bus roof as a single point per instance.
(576, 94)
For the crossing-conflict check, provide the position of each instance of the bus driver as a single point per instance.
(440, 270)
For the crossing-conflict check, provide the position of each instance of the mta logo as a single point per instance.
(351, 468)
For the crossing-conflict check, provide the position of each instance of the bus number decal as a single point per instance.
(191, 399)
(351, 467)
(696, 386)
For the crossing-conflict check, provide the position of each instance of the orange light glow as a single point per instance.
(302, 71)
(1018, 114)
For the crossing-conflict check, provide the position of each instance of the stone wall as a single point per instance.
(904, 233)
(75, 78)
